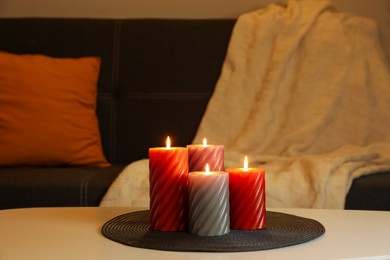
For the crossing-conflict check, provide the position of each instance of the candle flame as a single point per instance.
(168, 143)
(207, 169)
(246, 163)
(204, 142)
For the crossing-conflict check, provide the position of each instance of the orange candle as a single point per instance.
(168, 178)
(247, 198)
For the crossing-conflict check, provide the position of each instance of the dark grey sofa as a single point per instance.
(155, 75)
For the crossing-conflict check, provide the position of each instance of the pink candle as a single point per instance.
(200, 155)
(247, 198)
(168, 178)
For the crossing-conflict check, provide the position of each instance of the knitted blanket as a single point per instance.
(305, 93)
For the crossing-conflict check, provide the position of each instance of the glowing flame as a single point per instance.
(246, 163)
(207, 169)
(204, 142)
(168, 143)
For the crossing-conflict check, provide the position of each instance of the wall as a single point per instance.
(376, 9)
(130, 8)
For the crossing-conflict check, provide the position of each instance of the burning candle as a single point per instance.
(247, 197)
(200, 155)
(168, 178)
(208, 203)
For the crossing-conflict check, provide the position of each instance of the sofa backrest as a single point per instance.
(156, 77)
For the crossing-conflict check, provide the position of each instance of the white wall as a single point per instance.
(130, 8)
(376, 9)
(165, 8)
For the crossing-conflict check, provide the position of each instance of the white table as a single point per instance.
(75, 233)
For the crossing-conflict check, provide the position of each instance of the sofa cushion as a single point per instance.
(370, 192)
(55, 186)
(48, 111)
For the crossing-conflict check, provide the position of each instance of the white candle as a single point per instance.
(209, 203)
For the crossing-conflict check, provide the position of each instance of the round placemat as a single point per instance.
(282, 230)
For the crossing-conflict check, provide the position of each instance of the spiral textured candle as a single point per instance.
(247, 198)
(200, 155)
(209, 203)
(168, 178)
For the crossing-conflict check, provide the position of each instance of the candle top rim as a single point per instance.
(242, 169)
(202, 145)
(210, 173)
(170, 148)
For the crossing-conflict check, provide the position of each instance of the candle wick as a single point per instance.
(168, 143)
(204, 142)
(207, 169)
(246, 164)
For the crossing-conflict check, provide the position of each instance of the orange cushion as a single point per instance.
(48, 111)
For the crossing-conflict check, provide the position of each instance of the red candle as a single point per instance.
(247, 198)
(200, 155)
(168, 178)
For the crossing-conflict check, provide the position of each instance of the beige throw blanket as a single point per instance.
(305, 93)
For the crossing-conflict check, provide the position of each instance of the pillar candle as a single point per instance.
(201, 154)
(168, 178)
(208, 203)
(247, 198)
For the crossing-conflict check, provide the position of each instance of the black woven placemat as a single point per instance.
(282, 230)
